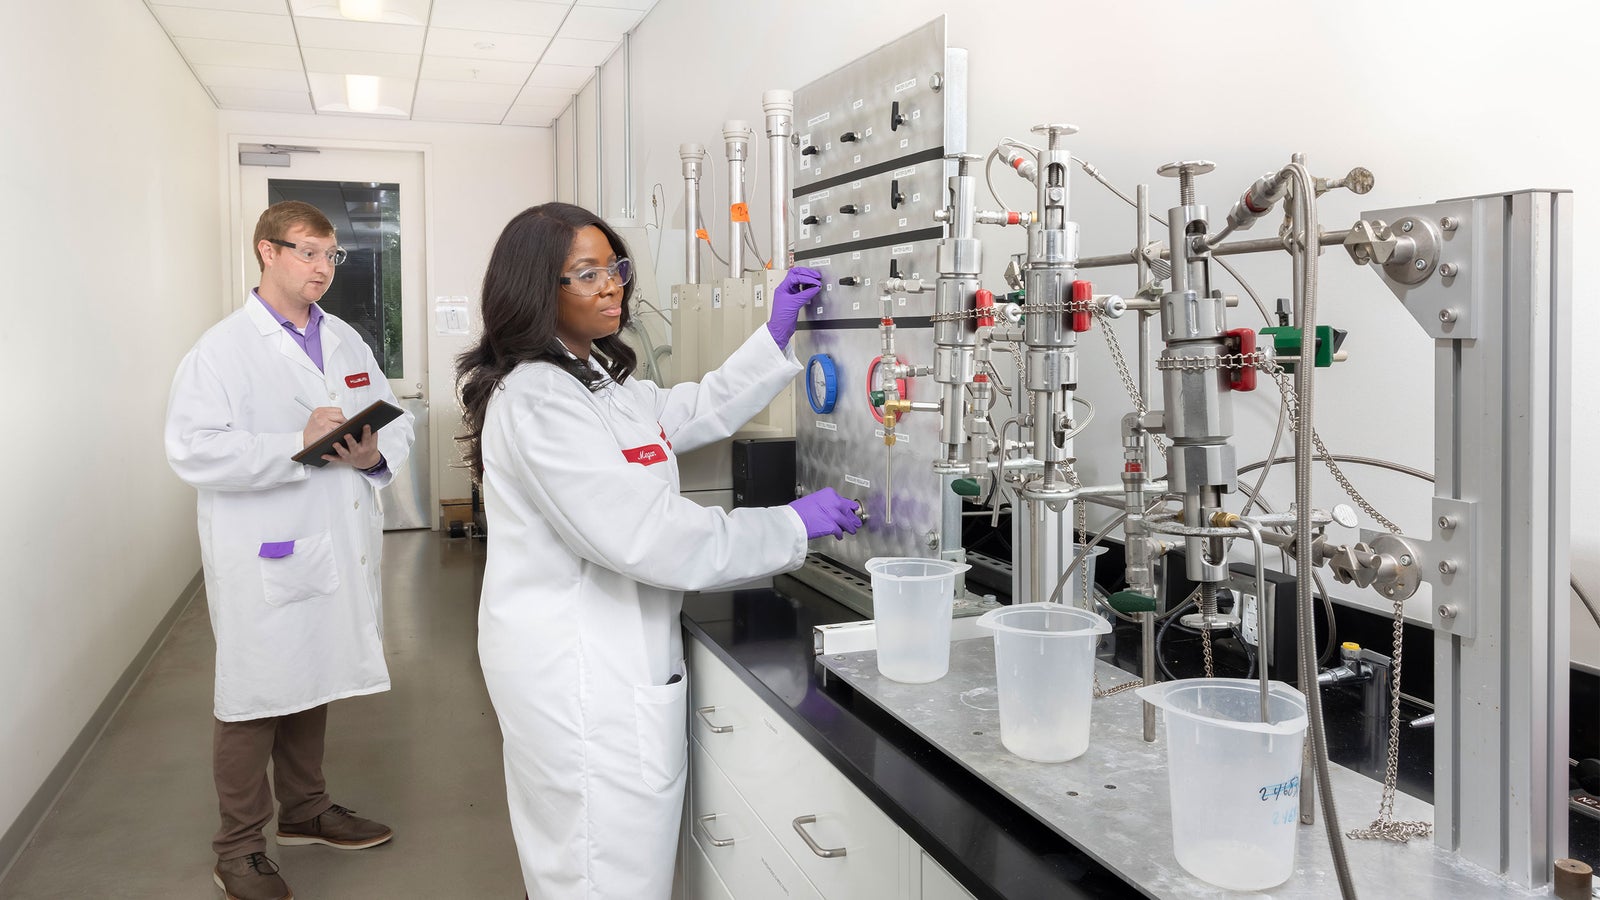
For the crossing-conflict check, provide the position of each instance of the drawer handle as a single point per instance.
(715, 842)
(704, 717)
(800, 828)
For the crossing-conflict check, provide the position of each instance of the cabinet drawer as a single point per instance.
(937, 883)
(812, 810)
(740, 849)
(701, 881)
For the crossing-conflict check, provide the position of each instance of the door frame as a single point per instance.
(233, 214)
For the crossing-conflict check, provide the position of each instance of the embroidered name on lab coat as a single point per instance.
(648, 455)
(360, 380)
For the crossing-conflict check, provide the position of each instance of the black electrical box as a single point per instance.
(1237, 594)
(763, 471)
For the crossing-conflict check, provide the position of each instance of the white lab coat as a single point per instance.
(296, 632)
(590, 549)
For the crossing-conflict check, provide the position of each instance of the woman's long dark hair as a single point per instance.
(520, 304)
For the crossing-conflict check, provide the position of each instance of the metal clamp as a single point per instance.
(715, 842)
(715, 729)
(799, 827)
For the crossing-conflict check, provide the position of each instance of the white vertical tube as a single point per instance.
(692, 155)
(736, 135)
(779, 107)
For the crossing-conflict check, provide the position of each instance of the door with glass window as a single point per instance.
(374, 200)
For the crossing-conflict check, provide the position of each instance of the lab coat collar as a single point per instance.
(267, 326)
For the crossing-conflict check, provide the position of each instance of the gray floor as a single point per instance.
(136, 820)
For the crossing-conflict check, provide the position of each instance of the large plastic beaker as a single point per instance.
(1235, 779)
(1044, 673)
(913, 601)
(1072, 591)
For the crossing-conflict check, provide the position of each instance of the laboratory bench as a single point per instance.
(772, 730)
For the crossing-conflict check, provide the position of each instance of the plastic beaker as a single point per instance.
(1072, 591)
(913, 601)
(1235, 780)
(1044, 674)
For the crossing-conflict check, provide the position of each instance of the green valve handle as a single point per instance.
(876, 397)
(966, 487)
(1129, 602)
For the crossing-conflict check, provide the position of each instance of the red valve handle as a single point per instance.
(1243, 378)
(984, 301)
(1082, 292)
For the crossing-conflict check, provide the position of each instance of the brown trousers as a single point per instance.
(240, 751)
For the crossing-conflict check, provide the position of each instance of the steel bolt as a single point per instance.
(1448, 270)
(1447, 522)
(1446, 611)
(1405, 560)
(1406, 225)
(1421, 264)
(1447, 566)
(1447, 316)
(1449, 223)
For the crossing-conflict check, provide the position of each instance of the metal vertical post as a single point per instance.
(599, 148)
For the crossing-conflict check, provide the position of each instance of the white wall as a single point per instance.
(481, 176)
(111, 242)
(1440, 99)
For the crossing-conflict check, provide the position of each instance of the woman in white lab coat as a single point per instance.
(591, 547)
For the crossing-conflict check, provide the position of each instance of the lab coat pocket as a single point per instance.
(661, 712)
(309, 571)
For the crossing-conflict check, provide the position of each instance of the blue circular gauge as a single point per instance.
(822, 383)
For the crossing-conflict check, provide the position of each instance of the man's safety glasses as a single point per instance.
(309, 254)
(592, 280)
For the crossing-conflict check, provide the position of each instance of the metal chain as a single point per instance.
(1068, 306)
(1208, 609)
(1384, 827)
(1253, 360)
(1128, 384)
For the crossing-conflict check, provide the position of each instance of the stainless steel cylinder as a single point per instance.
(779, 108)
(693, 157)
(736, 137)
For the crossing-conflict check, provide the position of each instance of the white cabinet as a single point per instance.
(824, 826)
(937, 883)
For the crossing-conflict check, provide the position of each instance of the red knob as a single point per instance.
(984, 301)
(1243, 378)
(1082, 293)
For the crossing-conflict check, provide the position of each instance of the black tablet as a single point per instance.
(379, 414)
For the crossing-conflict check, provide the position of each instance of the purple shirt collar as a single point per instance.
(311, 341)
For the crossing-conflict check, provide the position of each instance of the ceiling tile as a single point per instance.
(267, 101)
(203, 52)
(328, 93)
(360, 62)
(485, 45)
(534, 95)
(221, 25)
(540, 116)
(394, 12)
(570, 77)
(338, 34)
(641, 5)
(466, 92)
(455, 111)
(486, 71)
(259, 79)
(503, 16)
(573, 52)
(268, 7)
(592, 23)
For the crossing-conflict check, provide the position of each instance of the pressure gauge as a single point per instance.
(822, 383)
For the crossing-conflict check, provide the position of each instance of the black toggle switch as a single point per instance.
(894, 268)
(895, 197)
(849, 281)
(849, 137)
(809, 150)
(896, 118)
(809, 220)
(849, 209)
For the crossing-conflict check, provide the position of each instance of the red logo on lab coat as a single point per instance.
(355, 381)
(648, 455)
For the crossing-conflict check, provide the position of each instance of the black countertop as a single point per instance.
(993, 848)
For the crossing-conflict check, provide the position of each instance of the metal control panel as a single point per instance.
(870, 173)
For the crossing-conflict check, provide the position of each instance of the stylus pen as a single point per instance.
(309, 408)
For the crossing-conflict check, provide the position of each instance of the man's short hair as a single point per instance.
(277, 219)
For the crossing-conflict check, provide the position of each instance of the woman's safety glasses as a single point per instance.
(592, 280)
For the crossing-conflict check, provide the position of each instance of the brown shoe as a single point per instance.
(252, 877)
(337, 827)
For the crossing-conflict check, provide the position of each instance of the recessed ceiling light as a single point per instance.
(361, 92)
(361, 10)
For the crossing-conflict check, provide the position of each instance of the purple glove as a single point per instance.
(797, 289)
(825, 512)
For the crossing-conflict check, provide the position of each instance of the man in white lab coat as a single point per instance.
(290, 551)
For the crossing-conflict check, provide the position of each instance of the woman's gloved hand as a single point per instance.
(795, 291)
(825, 513)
